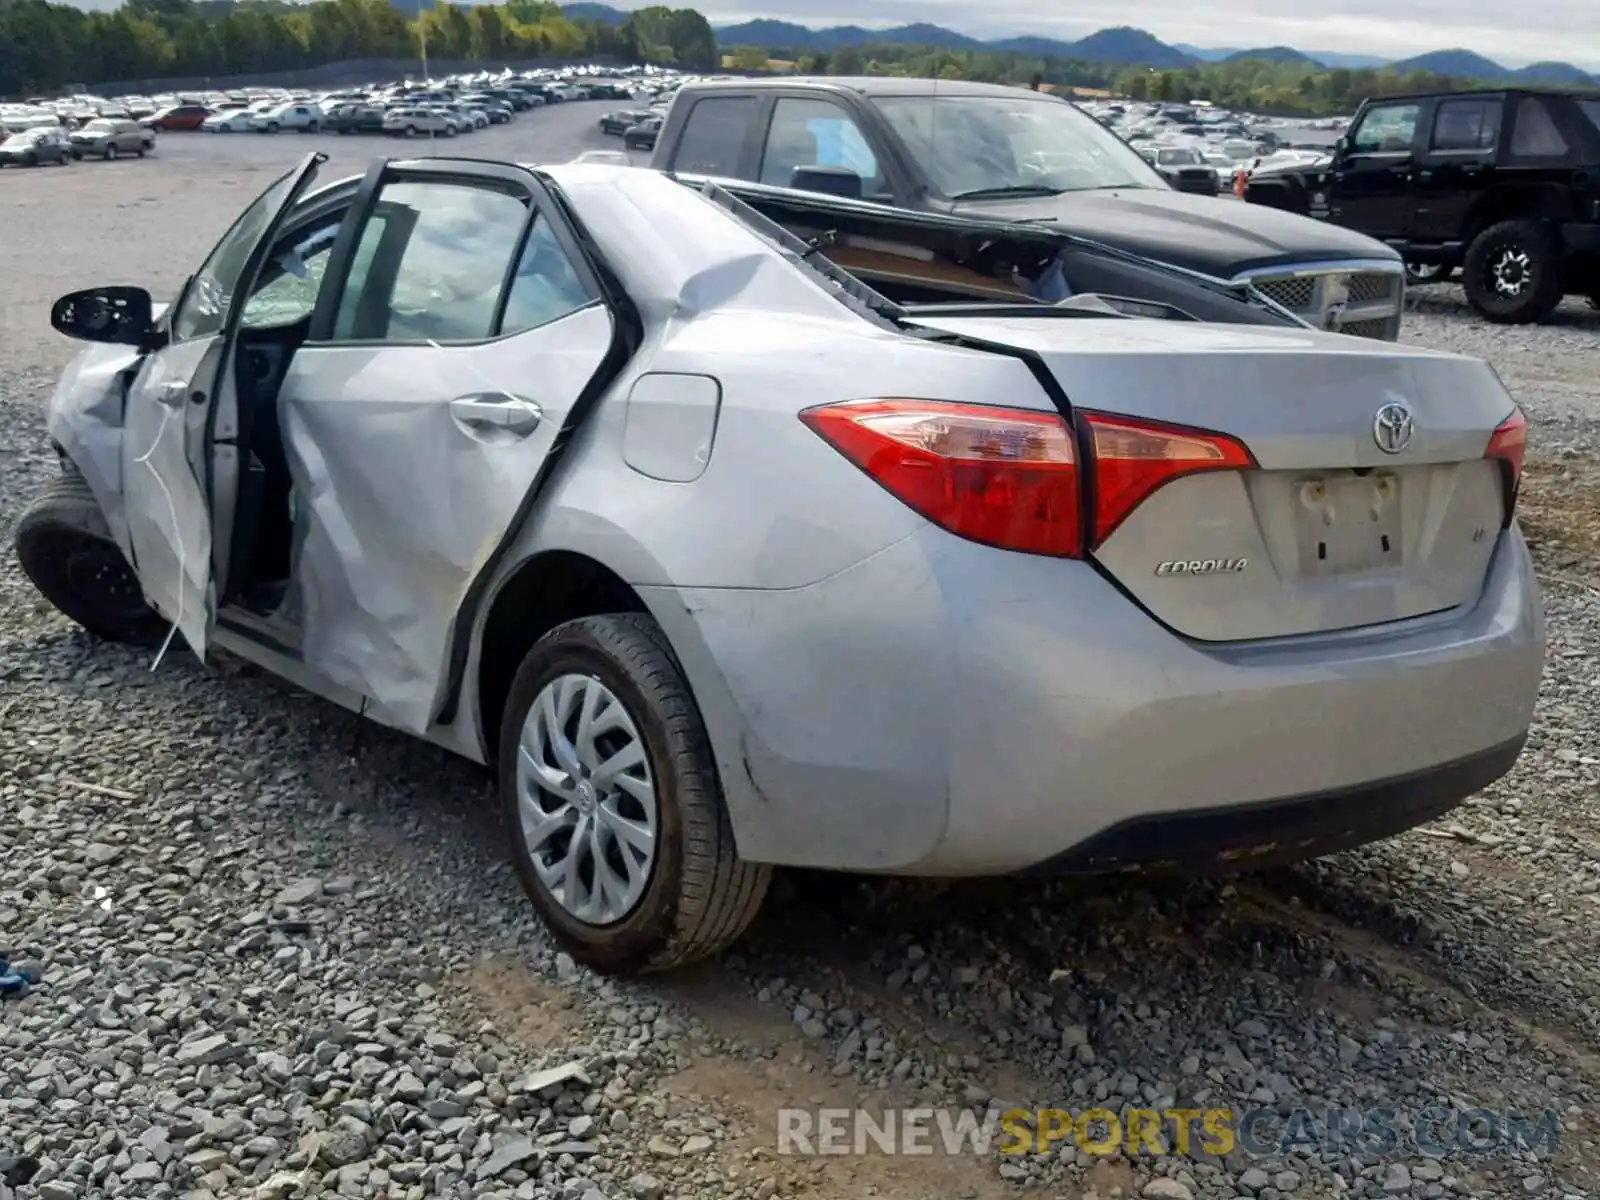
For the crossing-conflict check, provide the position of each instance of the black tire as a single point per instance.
(700, 896)
(272, 127)
(450, 131)
(64, 547)
(30, 160)
(1512, 273)
(411, 131)
(110, 151)
(313, 128)
(1421, 274)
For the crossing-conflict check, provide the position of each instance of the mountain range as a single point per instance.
(1122, 45)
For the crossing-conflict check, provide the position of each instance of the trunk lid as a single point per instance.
(1331, 531)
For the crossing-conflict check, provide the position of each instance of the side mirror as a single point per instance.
(831, 181)
(121, 315)
(1341, 146)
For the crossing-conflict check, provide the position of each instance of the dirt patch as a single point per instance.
(791, 1073)
(1560, 513)
(525, 1010)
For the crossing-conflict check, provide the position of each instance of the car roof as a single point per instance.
(875, 85)
(1452, 93)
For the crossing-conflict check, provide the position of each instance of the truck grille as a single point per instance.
(1363, 300)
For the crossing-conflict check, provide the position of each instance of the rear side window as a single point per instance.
(1591, 109)
(1534, 133)
(1466, 125)
(713, 135)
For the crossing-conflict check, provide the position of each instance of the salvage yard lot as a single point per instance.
(282, 952)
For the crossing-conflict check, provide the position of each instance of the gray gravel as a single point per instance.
(283, 956)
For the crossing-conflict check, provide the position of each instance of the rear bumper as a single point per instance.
(1242, 836)
(947, 709)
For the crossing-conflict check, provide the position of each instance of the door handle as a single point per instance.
(172, 392)
(492, 410)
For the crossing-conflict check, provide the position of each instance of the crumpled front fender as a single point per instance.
(84, 417)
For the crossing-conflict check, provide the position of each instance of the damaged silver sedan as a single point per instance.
(744, 528)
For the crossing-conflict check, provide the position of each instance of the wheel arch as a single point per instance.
(1533, 203)
(544, 590)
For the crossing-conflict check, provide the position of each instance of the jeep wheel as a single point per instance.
(611, 802)
(1512, 273)
(66, 549)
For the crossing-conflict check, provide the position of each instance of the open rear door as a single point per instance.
(169, 476)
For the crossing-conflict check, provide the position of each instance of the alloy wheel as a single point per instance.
(1510, 271)
(587, 800)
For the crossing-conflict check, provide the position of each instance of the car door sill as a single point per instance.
(274, 632)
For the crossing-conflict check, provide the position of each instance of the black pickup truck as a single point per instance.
(1005, 153)
(1503, 186)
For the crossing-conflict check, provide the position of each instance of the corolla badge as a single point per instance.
(1202, 566)
(1392, 427)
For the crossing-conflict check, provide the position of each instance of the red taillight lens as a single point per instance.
(1006, 477)
(1509, 444)
(1133, 458)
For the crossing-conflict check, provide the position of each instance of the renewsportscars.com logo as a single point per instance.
(1436, 1132)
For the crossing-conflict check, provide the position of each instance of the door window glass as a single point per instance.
(713, 136)
(1386, 129)
(286, 290)
(433, 266)
(815, 133)
(203, 309)
(1466, 125)
(545, 285)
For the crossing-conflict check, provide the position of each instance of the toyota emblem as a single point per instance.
(1392, 428)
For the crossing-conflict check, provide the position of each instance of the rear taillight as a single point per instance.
(1007, 477)
(1011, 477)
(1509, 445)
(1133, 458)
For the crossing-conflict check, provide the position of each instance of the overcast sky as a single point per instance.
(1508, 32)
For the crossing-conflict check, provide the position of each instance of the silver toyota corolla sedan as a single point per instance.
(739, 533)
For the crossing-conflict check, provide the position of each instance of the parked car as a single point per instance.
(642, 136)
(230, 120)
(622, 120)
(1185, 168)
(410, 122)
(1502, 185)
(107, 138)
(496, 112)
(354, 118)
(299, 116)
(35, 147)
(176, 118)
(951, 146)
(1288, 618)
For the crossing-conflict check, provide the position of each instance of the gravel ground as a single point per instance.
(283, 955)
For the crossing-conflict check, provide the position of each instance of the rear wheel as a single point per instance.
(612, 805)
(110, 152)
(1512, 273)
(411, 131)
(272, 127)
(66, 549)
(1425, 273)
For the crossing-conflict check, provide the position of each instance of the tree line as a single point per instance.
(1254, 85)
(45, 46)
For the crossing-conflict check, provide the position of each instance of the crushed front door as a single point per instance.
(168, 475)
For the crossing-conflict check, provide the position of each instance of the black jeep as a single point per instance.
(1503, 186)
